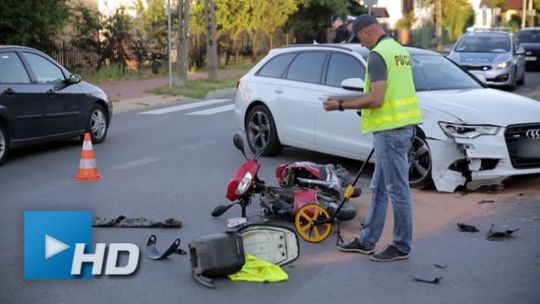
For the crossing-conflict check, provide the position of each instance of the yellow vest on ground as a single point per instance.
(400, 106)
(257, 270)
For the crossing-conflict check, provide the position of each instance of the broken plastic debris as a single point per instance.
(434, 280)
(498, 235)
(141, 222)
(486, 202)
(153, 253)
(441, 266)
(467, 228)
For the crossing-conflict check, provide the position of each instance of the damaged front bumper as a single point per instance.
(472, 162)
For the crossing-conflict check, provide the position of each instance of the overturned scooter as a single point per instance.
(314, 222)
(300, 183)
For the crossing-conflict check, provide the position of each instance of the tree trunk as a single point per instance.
(211, 40)
(438, 30)
(182, 59)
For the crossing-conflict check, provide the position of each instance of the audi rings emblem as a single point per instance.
(533, 134)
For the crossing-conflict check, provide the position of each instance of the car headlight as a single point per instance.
(504, 65)
(244, 184)
(454, 130)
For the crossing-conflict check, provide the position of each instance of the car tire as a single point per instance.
(420, 163)
(261, 131)
(98, 123)
(4, 144)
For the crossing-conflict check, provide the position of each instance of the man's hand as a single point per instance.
(330, 105)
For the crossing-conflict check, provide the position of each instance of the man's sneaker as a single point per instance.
(389, 253)
(355, 246)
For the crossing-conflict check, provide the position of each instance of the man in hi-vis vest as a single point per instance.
(390, 111)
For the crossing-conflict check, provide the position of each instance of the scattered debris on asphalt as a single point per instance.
(467, 228)
(141, 222)
(441, 266)
(486, 202)
(494, 234)
(430, 280)
(153, 253)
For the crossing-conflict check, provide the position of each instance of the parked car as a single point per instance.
(495, 55)
(529, 38)
(40, 101)
(471, 135)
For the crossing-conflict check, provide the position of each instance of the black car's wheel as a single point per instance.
(98, 123)
(420, 163)
(261, 131)
(4, 144)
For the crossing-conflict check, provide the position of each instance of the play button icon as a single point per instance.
(53, 246)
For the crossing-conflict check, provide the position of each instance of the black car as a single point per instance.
(530, 41)
(40, 101)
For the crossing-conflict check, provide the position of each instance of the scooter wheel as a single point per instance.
(305, 223)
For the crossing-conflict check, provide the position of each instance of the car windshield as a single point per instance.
(434, 72)
(484, 44)
(529, 36)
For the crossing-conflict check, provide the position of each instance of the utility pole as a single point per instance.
(182, 49)
(523, 13)
(438, 25)
(169, 37)
(211, 41)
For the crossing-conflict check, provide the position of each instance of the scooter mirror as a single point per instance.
(219, 210)
(239, 143)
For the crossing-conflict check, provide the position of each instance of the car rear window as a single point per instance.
(276, 66)
(341, 67)
(12, 69)
(307, 67)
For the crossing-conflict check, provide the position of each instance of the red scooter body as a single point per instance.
(249, 166)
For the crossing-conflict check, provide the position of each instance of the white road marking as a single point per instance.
(136, 163)
(213, 110)
(184, 107)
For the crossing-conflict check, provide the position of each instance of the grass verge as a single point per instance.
(196, 88)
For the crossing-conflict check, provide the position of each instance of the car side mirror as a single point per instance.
(353, 84)
(74, 78)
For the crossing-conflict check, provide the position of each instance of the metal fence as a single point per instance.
(68, 55)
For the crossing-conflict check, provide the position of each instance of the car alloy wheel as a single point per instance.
(98, 123)
(261, 131)
(3, 144)
(420, 163)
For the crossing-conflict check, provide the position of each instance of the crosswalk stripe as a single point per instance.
(213, 110)
(184, 107)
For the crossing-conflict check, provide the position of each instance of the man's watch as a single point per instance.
(340, 107)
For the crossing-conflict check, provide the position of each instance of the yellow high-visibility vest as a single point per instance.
(400, 106)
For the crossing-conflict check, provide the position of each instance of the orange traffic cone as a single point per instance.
(87, 167)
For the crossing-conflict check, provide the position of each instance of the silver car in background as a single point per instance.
(494, 55)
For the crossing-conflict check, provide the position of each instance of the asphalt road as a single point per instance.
(177, 165)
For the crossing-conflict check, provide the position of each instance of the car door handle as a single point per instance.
(278, 90)
(9, 91)
(323, 97)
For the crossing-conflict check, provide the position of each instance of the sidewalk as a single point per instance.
(129, 95)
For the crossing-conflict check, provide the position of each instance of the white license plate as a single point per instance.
(530, 58)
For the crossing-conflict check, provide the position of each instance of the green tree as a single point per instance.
(151, 24)
(87, 23)
(31, 22)
(312, 18)
(456, 13)
(274, 15)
